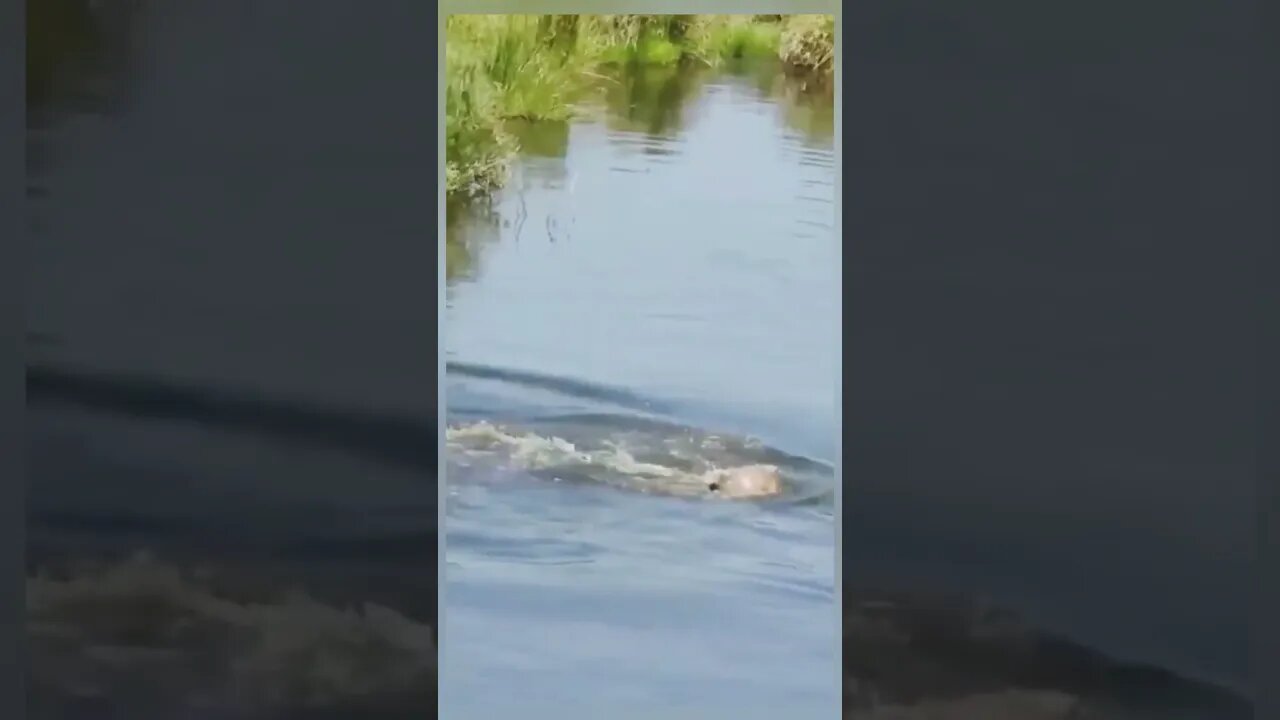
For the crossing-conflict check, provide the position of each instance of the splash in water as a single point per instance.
(692, 466)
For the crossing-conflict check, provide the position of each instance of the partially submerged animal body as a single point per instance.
(608, 460)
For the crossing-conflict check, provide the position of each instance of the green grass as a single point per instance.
(500, 68)
(742, 37)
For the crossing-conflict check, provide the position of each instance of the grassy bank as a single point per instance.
(535, 67)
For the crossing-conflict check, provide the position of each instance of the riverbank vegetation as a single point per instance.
(501, 68)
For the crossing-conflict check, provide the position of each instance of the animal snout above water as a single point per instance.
(746, 481)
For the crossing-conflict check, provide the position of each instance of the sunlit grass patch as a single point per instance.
(648, 50)
(809, 41)
(741, 36)
(499, 67)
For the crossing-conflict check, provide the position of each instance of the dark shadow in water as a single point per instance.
(544, 139)
(807, 99)
(469, 225)
(619, 397)
(808, 105)
(651, 99)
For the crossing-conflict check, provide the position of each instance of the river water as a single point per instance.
(659, 278)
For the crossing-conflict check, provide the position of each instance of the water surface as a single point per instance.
(663, 267)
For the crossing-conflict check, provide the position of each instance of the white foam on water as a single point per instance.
(611, 461)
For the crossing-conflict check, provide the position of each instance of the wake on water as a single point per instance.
(635, 454)
(634, 445)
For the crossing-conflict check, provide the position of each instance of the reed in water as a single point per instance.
(501, 68)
